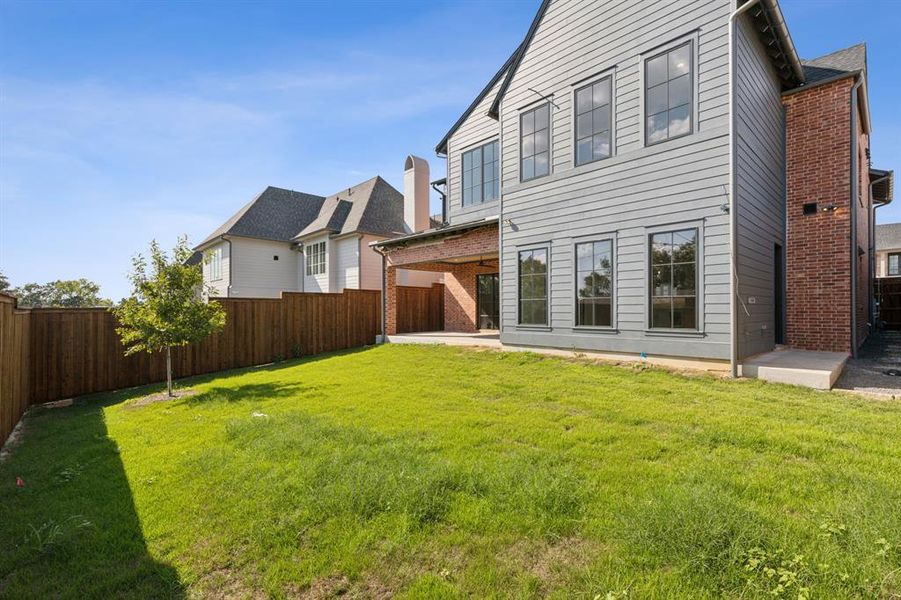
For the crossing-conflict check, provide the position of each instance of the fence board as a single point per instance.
(420, 309)
(14, 360)
(888, 294)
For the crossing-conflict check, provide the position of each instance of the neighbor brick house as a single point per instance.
(638, 178)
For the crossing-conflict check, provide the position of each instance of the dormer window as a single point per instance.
(480, 174)
(534, 143)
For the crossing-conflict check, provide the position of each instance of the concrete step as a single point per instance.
(818, 370)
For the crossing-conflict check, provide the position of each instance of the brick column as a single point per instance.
(460, 299)
(391, 300)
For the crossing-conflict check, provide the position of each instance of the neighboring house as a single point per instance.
(284, 240)
(888, 250)
(605, 191)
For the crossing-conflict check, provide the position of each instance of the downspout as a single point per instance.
(384, 294)
(873, 249)
(733, 193)
(855, 182)
(500, 222)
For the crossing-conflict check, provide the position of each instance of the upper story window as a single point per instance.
(593, 121)
(594, 284)
(480, 174)
(674, 279)
(668, 94)
(533, 287)
(214, 257)
(534, 143)
(894, 264)
(316, 258)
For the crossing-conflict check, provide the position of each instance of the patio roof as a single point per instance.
(438, 232)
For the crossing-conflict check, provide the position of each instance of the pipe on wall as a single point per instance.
(733, 193)
(855, 182)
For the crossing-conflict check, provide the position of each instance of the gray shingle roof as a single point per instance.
(373, 206)
(276, 214)
(836, 64)
(888, 236)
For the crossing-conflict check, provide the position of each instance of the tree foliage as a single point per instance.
(4, 283)
(71, 293)
(166, 308)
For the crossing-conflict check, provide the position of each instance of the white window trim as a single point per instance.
(600, 237)
(311, 251)
(547, 300)
(611, 73)
(215, 262)
(701, 291)
(693, 38)
(549, 100)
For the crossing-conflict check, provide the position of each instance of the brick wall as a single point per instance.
(818, 250)
(459, 281)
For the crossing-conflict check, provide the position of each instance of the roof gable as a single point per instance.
(373, 206)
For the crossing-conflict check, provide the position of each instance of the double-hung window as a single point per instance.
(674, 280)
(894, 264)
(593, 121)
(316, 258)
(534, 143)
(214, 257)
(533, 287)
(480, 174)
(668, 96)
(594, 284)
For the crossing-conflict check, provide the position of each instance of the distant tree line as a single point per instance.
(71, 293)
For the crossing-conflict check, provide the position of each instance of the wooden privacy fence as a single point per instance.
(49, 354)
(888, 294)
(420, 309)
(14, 371)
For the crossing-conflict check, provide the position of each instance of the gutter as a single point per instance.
(855, 182)
(733, 194)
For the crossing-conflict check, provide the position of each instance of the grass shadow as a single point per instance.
(73, 529)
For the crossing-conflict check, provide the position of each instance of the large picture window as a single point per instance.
(533, 287)
(593, 120)
(894, 264)
(316, 258)
(594, 284)
(534, 143)
(480, 174)
(674, 279)
(668, 95)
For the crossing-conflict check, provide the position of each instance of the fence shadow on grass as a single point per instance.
(73, 530)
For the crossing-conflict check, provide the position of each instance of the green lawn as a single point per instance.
(441, 472)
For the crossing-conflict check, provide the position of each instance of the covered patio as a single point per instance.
(467, 255)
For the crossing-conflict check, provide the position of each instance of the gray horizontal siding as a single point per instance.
(640, 188)
(476, 130)
(760, 174)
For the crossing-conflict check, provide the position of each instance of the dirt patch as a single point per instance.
(552, 562)
(224, 584)
(159, 397)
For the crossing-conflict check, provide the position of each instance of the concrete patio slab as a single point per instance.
(818, 370)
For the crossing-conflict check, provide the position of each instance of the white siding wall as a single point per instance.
(370, 265)
(218, 287)
(321, 282)
(255, 272)
(347, 263)
(677, 183)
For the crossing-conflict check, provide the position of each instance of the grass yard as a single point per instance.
(439, 472)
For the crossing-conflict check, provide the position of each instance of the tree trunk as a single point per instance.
(169, 371)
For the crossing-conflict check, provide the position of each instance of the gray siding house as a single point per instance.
(630, 161)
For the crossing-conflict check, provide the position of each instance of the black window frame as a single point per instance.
(888, 264)
(608, 79)
(672, 295)
(315, 258)
(482, 170)
(610, 276)
(692, 100)
(519, 286)
(522, 157)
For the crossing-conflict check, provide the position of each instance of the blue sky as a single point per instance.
(121, 122)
